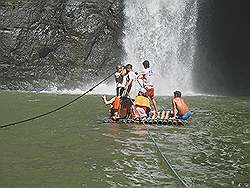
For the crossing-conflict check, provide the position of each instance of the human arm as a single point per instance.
(126, 88)
(141, 75)
(128, 84)
(130, 78)
(106, 102)
(117, 75)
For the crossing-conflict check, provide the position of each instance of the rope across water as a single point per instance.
(77, 98)
(58, 108)
(183, 182)
(165, 159)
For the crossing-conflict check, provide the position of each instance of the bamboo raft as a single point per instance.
(153, 121)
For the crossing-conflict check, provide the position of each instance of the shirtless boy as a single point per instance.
(180, 107)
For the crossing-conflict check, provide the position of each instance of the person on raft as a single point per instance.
(147, 76)
(142, 105)
(180, 107)
(130, 91)
(131, 83)
(120, 107)
(114, 104)
(131, 104)
(120, 79)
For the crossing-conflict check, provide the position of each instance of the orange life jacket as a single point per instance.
(116, 103)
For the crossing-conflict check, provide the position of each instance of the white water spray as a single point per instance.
(163, 32)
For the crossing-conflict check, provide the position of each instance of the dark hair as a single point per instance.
(141, 93)
(177, 94)
(118, 66)
(128, 66)
(146, 64)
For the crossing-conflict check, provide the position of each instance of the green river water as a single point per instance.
(74, 148)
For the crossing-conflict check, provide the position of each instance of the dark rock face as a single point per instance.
(63, 43)
(222, 56)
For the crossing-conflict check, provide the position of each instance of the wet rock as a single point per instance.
(57, 42)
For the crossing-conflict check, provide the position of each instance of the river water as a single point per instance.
(74, 148)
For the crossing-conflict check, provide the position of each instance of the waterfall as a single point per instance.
(163, 32)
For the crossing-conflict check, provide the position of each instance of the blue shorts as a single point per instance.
(185, 116)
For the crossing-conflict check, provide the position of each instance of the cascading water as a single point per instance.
(163, 32)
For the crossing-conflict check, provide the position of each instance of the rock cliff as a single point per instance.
(62, 43)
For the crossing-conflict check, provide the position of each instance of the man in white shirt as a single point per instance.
(131, 84)
(147, 76)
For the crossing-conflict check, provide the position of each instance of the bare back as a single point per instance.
(180, 105)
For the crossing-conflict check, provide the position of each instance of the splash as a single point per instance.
(163, 32)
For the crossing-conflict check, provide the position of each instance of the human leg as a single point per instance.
(163, 114)
(140, 112)
(150, 94)
(186, 115)
(155, 106)
(167, 115)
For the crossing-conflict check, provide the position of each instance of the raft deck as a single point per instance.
(154, 121)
